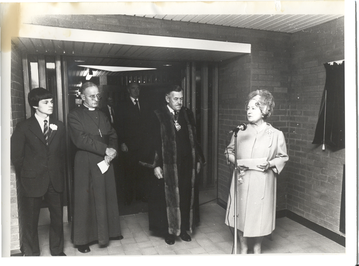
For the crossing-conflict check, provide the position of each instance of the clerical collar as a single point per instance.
(90, 108)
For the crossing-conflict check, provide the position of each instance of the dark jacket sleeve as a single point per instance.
(199, 152)
(62, 148)
(157, 140)
(17, 147)
(120, 122)
(151, 155)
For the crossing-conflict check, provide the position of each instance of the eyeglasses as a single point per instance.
(96, 96)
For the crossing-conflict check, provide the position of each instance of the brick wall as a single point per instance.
(17, 114)
(292, 68)
(234, 82)
(267, 67)
(314, 176)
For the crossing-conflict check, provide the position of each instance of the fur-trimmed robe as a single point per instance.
(163, 153)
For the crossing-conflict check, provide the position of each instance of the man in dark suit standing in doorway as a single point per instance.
(37, 152)
(133, 114)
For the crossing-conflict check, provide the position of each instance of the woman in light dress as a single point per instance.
(261, 154)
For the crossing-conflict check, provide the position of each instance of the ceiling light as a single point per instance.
(117, 68)
(50, 65)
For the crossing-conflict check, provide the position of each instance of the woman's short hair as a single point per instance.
(265, 101)
(38, 94)
(87, 85)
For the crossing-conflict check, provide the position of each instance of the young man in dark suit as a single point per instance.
(37, 152)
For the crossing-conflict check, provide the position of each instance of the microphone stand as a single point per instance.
(235, 192)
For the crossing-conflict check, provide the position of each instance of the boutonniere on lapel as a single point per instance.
(53, 127)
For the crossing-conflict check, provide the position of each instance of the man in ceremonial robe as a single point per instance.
(95, 211)
(176, 158)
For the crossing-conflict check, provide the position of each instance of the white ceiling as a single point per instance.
(271, 22)
(106, 53)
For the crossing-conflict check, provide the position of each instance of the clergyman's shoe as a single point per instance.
(170, 239)
(185, 237)
(84, 249)
(60, 254)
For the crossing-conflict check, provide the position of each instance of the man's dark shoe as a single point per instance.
(185, 237)
(170, 239)
(84, 249)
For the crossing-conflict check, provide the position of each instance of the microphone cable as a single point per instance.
(229, 203)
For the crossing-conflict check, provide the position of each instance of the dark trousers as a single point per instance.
(29, 219)
(135, 181)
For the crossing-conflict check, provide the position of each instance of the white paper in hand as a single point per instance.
(252, 164)
(103, 166)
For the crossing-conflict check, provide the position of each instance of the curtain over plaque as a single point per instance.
(330, 129)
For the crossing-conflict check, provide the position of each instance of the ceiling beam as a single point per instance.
(77, 35)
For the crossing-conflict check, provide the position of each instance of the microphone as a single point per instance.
(241, 127)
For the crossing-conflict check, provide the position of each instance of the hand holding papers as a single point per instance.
(257, 164)
(252, 164)
(103, 165)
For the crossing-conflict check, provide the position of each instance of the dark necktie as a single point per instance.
(137, 104)
(110, 112)
(46, 131)
(175, 118)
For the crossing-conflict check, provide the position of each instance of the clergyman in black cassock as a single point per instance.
(95, 211)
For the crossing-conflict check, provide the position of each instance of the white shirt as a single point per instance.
(133, 101)
(171, 110)
(41, 121)
(110, 111)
